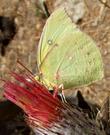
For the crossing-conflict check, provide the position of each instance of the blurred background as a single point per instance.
(21, 24)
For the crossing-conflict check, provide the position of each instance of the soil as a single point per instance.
(29, 21)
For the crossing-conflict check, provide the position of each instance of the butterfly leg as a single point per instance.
(58, 91)
(62, 95)
(55, 93)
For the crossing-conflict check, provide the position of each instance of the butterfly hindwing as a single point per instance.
(66, 55)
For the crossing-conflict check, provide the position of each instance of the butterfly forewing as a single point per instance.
(53, 28)
(66, 55)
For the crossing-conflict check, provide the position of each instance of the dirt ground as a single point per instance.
(29, 24)
(93, 19)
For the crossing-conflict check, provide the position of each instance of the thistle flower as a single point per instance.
(46, 114)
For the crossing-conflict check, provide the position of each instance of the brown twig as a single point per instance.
(105, 3)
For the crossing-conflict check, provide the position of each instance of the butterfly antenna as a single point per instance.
(20, 63)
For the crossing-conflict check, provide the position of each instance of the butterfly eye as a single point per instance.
(49, 42)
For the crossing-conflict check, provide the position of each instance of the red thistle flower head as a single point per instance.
(46, 114)
(36, 101)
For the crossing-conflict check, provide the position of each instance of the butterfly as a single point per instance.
(66, 55)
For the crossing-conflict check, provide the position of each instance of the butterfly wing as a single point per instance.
(66, 55)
